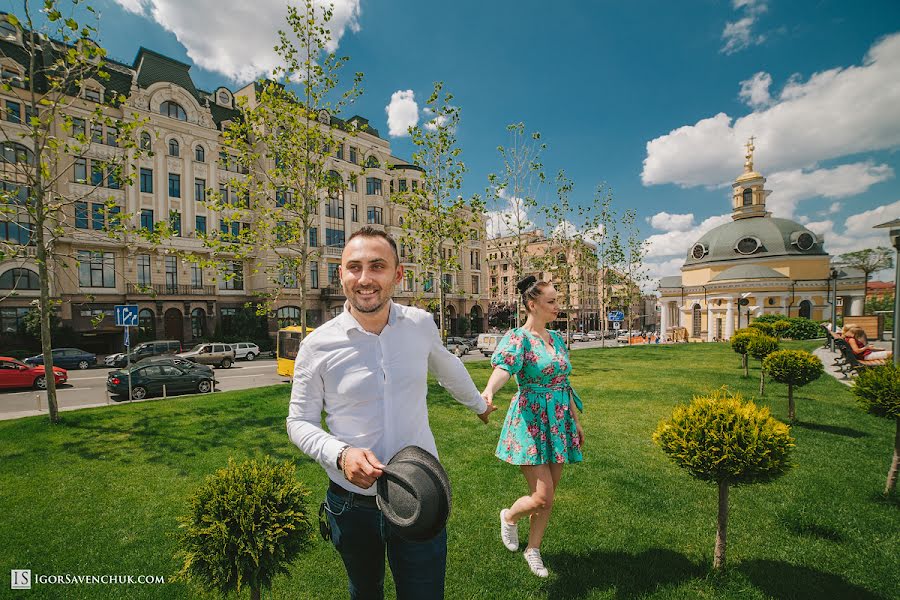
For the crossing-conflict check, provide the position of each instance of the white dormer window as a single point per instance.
(8, 31)
(92, 94)
(324, 118)
(12, 75)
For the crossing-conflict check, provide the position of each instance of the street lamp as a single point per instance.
(744, 301)
(834, 277)
(893, 228)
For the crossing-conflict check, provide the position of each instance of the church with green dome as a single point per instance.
(756, 264)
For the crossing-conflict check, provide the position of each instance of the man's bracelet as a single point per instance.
(340, 460)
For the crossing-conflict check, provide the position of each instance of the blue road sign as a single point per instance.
(616, 315)
(126, 315)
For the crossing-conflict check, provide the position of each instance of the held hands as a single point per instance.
(361, 467)
(489, 398)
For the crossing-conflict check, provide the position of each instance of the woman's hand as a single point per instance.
(489, 399)
(580, 432)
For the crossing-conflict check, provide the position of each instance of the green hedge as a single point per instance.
(800, 327)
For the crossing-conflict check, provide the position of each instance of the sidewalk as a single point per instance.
(828, 357)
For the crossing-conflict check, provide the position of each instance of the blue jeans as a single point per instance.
(360, 533)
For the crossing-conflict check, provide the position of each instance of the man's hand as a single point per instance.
(361, 467)
(489, 399)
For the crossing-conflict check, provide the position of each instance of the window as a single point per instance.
(353, 155)
(81, 215)
(196, 275)
(92, 94)
(173, 147)
(96, 172)
(287, 274)
(98, 217)
(175, 222)
(373, 215)
(415, 185)
(372, 163)
(174, 185)
(8, 30)
(11, 76)
(112, 136)
(313, 236)
(13, 153)
(147, 181)
(373, 186)
(409, 284)
(97, 133)
(198, 323)
(314, 275)
(143, 269)
(748, 197)
(13, 112)
(171, 274)
(354, 213)
(233, 277)
(199, 153)
(96, 269)
(476, 284)
(696, 325)
(145, 141)
(401, 186)
(147, 219)
(146, 323)
(19, 279)
(283, 197)
(16, 232)
(172, 110)
(333, 277)
(335, 208)
(354, 184)
(200, 190)
(340, 151)
(748, 245)
(223, 193)
(12, 320)
(287, 316)
(334, 238)
(112, 178)
(200, 225)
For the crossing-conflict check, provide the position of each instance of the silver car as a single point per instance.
(209, 353)
(245, 350)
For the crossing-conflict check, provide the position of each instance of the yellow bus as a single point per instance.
(287, 343)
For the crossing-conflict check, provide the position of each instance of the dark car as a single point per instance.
(67, 358)
(15, 374)
(175, 361)
(148, 380)
(144, 350)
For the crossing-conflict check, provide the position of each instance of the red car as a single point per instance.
(16, 374)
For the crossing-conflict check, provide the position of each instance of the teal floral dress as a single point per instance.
(539, 426)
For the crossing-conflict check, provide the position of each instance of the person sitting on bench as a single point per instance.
(860, 346)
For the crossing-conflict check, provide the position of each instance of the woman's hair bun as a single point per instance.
(526, 283)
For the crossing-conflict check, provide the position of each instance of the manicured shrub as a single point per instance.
(799, 328)
(247, 522)
(780, 328)
(794, 368)
(763, 327)
(722, 439)
(739, 342)
(878, 391)
(760, 347)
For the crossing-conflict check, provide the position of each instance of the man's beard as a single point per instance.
(369, 309)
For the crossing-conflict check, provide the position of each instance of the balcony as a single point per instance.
(332, 292)
(161, 289)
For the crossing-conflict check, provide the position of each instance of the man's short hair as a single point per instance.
(370, 232)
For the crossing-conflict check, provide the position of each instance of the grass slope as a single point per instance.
(100, 493)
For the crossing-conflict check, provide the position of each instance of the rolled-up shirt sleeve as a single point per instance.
(305, 413)
(451, 373)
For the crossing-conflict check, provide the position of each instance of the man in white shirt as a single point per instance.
(367, 370)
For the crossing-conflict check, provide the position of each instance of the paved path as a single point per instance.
(827, 357)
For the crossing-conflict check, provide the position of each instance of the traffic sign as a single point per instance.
(126, 315)
(617, 324)
(616, 315)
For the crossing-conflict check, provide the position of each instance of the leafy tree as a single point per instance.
(61, 62)
(439, 222)
(609, 251)
(883, 304)
(286, 140)
(634, 251)
(513, 193)
(722, 439)
(246, 524)
(877, 389)
(794, 368)
(759, 348)
(868, 261)
(739, 343)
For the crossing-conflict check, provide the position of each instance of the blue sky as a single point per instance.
(655, 98)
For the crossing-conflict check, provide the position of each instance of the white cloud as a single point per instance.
(755, 91)
(677, 242)
(564, 229)
(857, 232)
(436, 122)
(790, 187)
(739, 35)
(403, 113)
(237, 41)
(668, 222)
(655, 269)
(508, 219)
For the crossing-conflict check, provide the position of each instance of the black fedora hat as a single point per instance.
(414, 494)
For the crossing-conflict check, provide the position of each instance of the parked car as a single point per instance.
(148, 380)
(210, 353)
(67, 358)
(593, 335)
(175, 361)
(245, 350)
(16, 374)
(458, 345)
(579, 336)
(487, 342)
(143, 350)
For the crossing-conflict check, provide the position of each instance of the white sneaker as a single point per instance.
(509, 533)
(535, 563)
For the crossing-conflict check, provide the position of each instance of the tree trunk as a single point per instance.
(790, 402)
(43, 256)
(762, 381)
(721, 527)
(892, 472)
(746, 363)
(255, 593)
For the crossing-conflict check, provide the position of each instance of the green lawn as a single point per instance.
(100, 493)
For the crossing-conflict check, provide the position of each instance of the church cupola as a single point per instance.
(749, 193)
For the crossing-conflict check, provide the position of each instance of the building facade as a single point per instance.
(182, 132)
(754, 265)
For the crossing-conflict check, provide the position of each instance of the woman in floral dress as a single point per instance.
(541, 432)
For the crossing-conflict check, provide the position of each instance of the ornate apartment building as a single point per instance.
(180, 299)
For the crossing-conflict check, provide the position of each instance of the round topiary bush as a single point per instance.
(763, 327)
(878, 391)
(794, 368)
(760, 347)
(247, 522)
(739, 342)
(722, 439)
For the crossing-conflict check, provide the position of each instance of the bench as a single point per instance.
(852, 363)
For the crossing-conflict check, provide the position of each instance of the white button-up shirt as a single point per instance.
(371, 387)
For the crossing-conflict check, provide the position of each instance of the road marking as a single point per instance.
(221, 377)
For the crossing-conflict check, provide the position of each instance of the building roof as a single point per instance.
(775, 237)
(670, 281)
(743, 272)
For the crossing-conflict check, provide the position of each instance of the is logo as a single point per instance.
(20, 579)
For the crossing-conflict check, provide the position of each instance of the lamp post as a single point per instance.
(893, 228)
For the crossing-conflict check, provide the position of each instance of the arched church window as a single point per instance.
(748, 197)
(806, 309)
(696, 325)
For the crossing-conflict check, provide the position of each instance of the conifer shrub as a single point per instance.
(721, 439)
(247, 522)
(762, 327)
(739, 342)
(794, 368)
(760, 347)
(877, 389)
